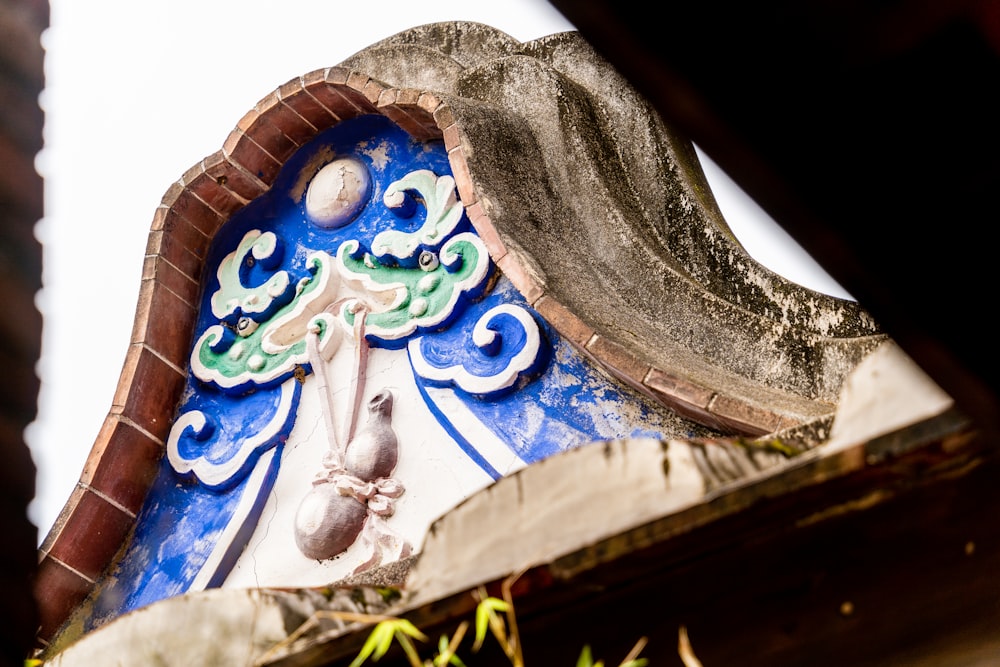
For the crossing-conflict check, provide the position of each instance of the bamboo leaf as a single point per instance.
(446, 654)
(409, 649)
(405, 627)
(380, 639)
(487, 616)
(384, 632)
(369, 646)
(585, 659)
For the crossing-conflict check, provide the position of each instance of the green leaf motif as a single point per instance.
(444, 212)
(233, 294)
(405, 299)
(269, 352)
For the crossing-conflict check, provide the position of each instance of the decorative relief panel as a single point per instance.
(360, 366)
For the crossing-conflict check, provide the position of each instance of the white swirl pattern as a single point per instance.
(485, 338)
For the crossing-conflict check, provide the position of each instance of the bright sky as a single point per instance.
(139, 92)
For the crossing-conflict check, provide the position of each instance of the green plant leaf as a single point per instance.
(381, 636)
(488, 616)
(409, 649)
(586, 659)
(403, 626)
(445, 655)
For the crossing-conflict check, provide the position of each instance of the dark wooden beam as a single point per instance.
(892, 564)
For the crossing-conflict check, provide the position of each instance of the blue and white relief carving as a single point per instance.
(359, 367)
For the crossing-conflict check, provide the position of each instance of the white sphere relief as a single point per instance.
(337, 193)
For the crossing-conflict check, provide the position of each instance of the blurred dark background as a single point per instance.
(21, 121)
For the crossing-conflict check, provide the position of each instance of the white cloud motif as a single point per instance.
(219, 475)
(488, 342)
